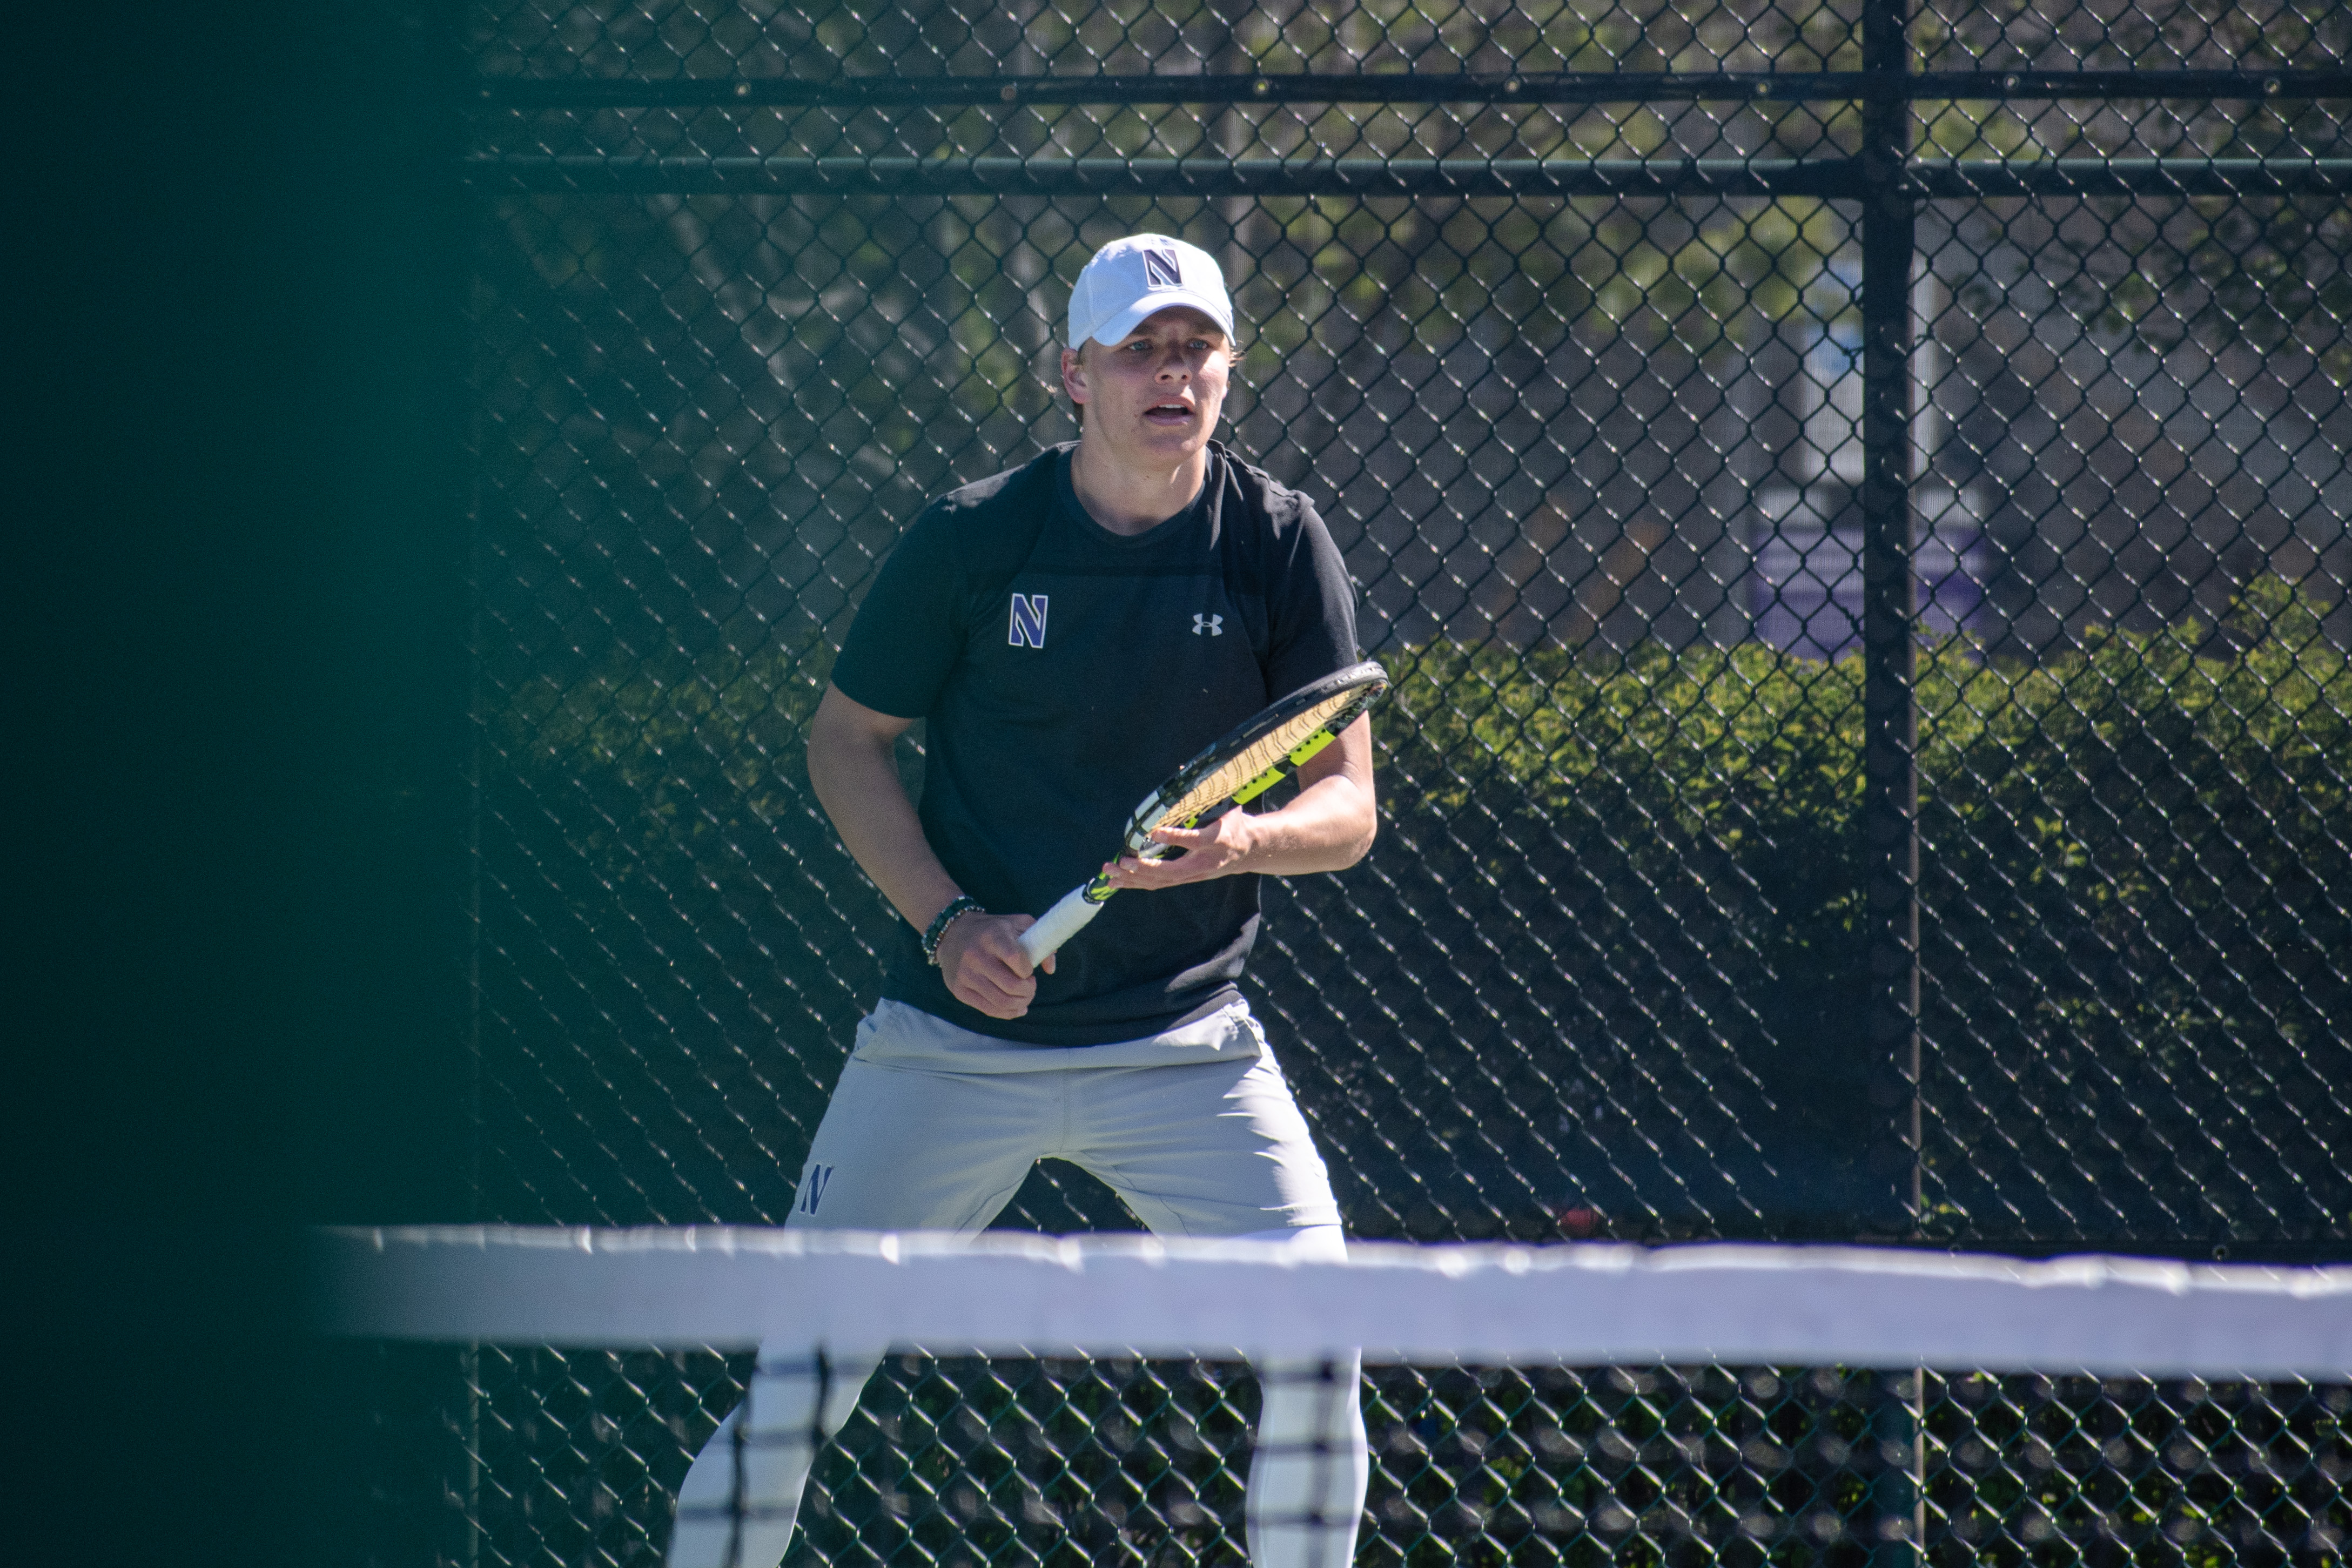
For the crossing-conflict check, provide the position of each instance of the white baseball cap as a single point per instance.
(1141, 275)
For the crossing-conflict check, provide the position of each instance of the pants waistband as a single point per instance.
(896, 1035)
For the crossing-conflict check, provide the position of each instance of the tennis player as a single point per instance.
(1070, 632)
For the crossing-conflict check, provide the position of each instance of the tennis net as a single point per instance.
(541, 1397)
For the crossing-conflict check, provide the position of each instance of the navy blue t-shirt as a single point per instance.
(1062, 671)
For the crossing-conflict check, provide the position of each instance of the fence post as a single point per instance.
(1890, 606)
(1890, 814)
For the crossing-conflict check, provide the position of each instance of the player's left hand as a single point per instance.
(1220, 848)
(981, 961)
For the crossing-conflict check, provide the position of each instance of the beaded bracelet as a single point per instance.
(960, 905)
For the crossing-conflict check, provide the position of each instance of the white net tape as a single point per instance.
(1579, 1304)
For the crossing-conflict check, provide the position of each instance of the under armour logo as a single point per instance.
(1028, 629)
(1213, 626)
(813, 1187)
(1161, 269)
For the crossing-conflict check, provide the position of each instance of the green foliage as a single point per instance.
(1681, 825)
(2133, 857)
(2137, 861)
(2108, 774)
(1725, 784)
(1720, 740)
(672, 754)
(1699, 740)
(2264, 271)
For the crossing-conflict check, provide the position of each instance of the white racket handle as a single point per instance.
(1058, 926)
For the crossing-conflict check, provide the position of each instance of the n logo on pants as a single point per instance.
(813, 1187)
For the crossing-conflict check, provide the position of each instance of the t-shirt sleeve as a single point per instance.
(909, 633)
(1313, 611)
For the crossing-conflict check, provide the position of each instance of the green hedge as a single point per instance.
(2135, 883)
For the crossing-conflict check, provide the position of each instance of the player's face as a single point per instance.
(1156, 396)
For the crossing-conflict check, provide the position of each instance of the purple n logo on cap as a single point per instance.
(1160, 269)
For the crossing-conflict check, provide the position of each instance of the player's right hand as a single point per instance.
(981, 956)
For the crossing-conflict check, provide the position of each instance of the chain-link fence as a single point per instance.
(1856, 500)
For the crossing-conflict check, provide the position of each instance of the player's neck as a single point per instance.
(1129, 498)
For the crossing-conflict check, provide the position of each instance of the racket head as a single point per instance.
(1273, 741)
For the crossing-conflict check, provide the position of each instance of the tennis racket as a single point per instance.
(1239, 768)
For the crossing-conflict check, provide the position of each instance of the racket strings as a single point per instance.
(1261, 754)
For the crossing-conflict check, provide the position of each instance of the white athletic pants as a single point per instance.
(932, 1128)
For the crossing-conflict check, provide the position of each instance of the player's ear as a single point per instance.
(1074, 377)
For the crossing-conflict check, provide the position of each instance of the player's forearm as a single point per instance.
(855, 775)
(1330, 823)
(1330, 826)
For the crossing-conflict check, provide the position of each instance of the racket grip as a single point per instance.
(1058, 926)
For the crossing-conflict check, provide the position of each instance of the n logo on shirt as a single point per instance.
(1028, 629)
(812, 1189)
